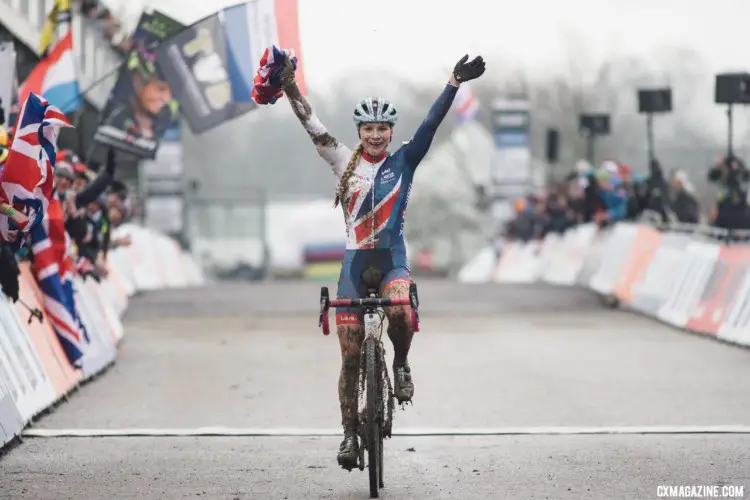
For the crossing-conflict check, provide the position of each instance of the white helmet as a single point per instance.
(374, 110)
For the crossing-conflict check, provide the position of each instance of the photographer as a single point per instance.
(684, 203)
(733, 178)
(653, 194)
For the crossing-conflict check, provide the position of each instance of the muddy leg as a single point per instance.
(350, 340)
(400, 329)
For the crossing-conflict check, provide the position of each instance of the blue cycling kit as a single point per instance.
(378, 193)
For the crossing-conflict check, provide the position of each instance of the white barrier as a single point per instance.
(34, 371)
(676, 278)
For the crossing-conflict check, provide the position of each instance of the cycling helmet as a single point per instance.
(143, 62)
(374, 110)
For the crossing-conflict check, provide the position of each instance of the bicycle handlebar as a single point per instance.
(369, 302)
(326, 303)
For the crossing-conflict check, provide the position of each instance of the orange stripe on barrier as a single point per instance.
(116, 278)
(508, 257)
(721, 290)
(61, 374)
(646, 243)
(99, 298)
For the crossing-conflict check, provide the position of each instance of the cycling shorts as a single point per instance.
(392, 265)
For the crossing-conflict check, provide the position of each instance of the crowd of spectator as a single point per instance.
(613, 192)
(91, 203)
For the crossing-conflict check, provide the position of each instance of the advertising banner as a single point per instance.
(141, 105)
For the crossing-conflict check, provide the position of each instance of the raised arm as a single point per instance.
(332, 151)
(416, 149)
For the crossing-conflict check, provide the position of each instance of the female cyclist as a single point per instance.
(373, 189)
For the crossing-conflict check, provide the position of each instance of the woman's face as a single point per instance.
(375, 137)
(62, 184)
(154, 95)
(115, 216)
(79, 184)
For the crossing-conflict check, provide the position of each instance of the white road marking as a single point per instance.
(426, 432)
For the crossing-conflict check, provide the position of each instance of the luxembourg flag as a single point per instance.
(467, 105)
(55, 77)
(249, 29)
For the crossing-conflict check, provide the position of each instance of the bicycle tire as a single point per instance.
(373, 429)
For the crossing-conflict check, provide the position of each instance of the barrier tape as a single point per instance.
(681, 278)
(34, 371)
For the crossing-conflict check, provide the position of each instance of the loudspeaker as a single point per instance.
(552, 143)
(655, 101)
(595, 124)
(732, 88)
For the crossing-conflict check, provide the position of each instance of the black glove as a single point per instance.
(463, 72)
(9, 272)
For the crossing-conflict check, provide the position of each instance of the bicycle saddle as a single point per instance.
(371, 278)
(370, 267)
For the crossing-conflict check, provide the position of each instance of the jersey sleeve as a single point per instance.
(416, 149)
(337, 155)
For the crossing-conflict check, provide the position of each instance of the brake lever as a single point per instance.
(323, 311)
(414, 303)
(324, 304)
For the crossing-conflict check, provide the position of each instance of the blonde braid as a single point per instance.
(344, 183)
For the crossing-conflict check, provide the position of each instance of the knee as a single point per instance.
(400, 318)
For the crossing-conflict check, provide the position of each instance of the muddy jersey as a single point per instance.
(379, 189)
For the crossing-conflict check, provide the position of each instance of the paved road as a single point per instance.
(493, 358)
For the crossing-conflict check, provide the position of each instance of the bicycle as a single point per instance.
(376, 415)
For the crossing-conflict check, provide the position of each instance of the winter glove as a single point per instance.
(463, 71)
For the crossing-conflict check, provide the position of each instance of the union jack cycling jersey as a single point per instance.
(379, 189)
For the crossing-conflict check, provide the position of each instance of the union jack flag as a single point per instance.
(54, 268)
(26, 180)
(267, 82)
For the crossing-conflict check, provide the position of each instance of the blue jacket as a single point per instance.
(615, 200)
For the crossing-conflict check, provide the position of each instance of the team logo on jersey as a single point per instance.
(387, 175)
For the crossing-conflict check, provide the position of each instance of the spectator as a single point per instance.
(731, 211)
(612, 194)
(522, 226)
(682, 198)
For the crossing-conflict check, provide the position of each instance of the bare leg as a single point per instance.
(350, 341)
(401, 332)
(400, 329)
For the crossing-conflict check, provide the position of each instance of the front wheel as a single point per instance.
(374, 430)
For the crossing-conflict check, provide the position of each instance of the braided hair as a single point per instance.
(341, 190)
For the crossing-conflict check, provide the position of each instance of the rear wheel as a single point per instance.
(374, 428)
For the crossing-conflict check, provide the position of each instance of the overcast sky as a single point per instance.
(533, 34)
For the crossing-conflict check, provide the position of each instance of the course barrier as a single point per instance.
(34, 372)
(688, 280)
